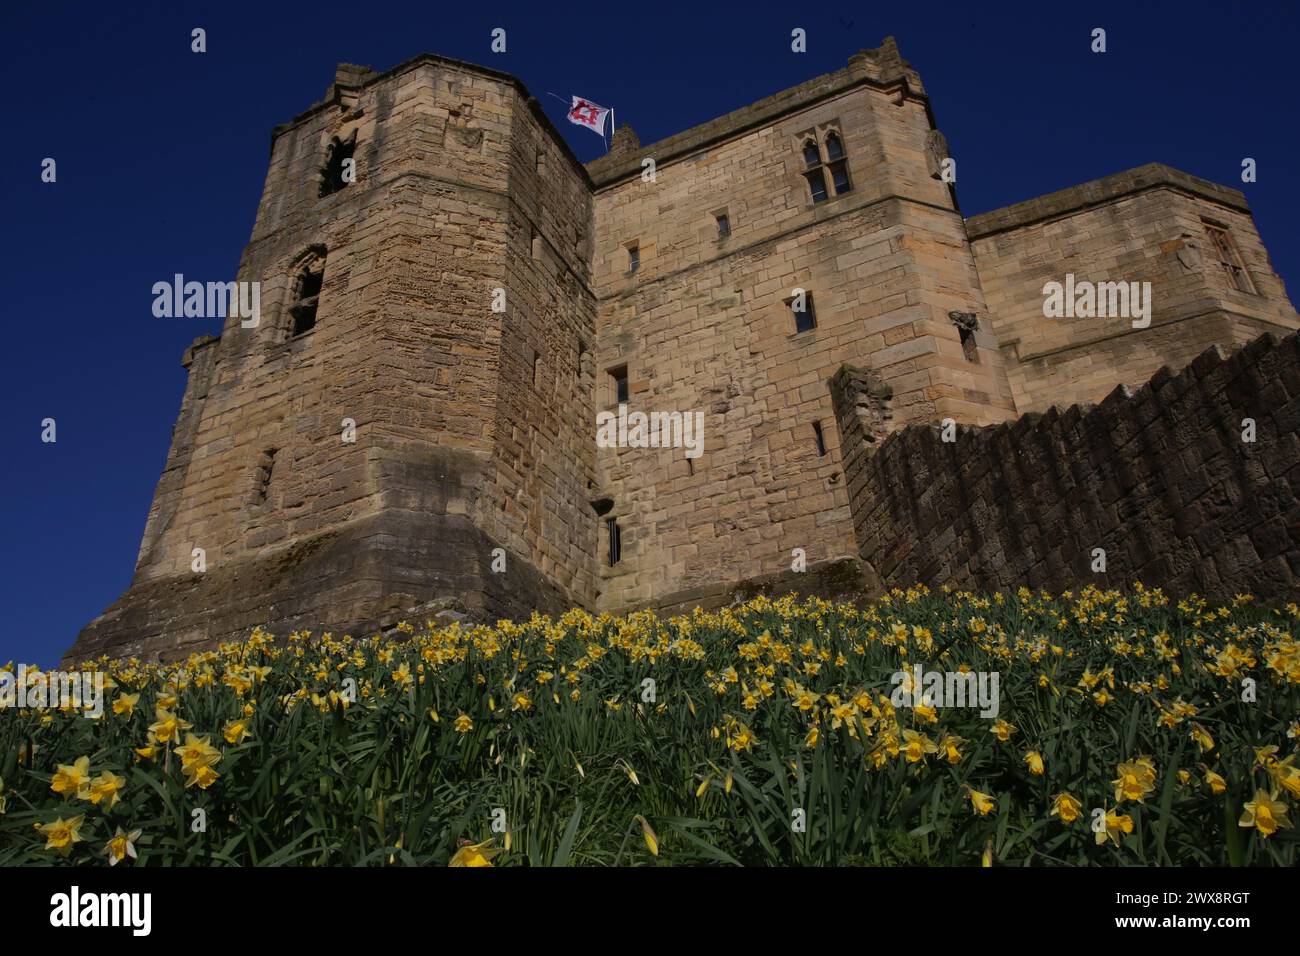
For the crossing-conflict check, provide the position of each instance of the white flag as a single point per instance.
(588, 114)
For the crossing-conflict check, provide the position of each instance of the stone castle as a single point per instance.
(409, 430)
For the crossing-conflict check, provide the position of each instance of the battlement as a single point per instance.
(882, 68)
(351, 80)
(1108, 189)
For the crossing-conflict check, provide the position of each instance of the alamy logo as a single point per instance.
(74, 908)
(208, 300)
(1099, 300)
(40, 690)
(921, 688)
(653, 430)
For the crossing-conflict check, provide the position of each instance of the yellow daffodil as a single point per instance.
(167, 729)
(121, 846)
(1265, 813)
(950, 746)
(1266, 756)
(651, 839)
(1002, 730)
(1134, 782)
(1114, 824)
(106, 789)
(236, 731)
(62, 835)
(474, 854)
(1286, 775)
(72, 779)
(1215, 782)
(1202, 738)
(1066, 807)
(916, 746)
(981, 803)
(197, 760)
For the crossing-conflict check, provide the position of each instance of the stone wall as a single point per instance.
(1148, 224)
(1161, 479)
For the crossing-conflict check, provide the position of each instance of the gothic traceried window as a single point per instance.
(1225, 251)
(826, 167)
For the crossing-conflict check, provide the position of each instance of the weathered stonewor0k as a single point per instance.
(475, 428)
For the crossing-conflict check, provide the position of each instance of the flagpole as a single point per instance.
(612, 127)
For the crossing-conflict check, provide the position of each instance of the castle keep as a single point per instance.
(409, 430)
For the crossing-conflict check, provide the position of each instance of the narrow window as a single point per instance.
(537, 369)
(265, 469)
(967, 325)
(615, 540)
(339, 168)
(307, 297)
(968, 344)
(801, 307)
(633, 258)
(541, 161)
(811, 157)
(821, 439)
(1234, 269)
(536, 245)
(837, 164)
(724, 224)
(618, 384)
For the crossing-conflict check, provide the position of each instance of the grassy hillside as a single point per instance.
(759, 735)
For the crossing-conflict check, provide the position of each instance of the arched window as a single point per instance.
(822, 177)
(834, 149)
(339, 168)
(309, 276)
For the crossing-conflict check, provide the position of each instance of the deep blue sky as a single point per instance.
(161, 156)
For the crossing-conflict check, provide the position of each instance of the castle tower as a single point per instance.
(836, 187)
(391, 421)
(1192, 244)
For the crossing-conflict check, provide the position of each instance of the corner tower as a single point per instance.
(392, 420)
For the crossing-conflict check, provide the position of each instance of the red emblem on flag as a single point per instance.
(588, 114)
